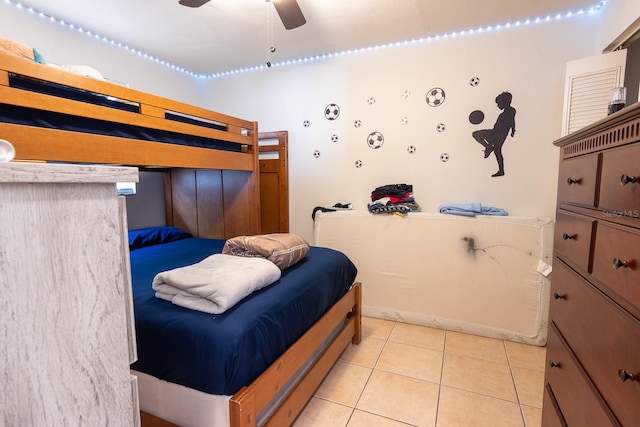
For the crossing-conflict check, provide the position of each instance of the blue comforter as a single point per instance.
(219, 354)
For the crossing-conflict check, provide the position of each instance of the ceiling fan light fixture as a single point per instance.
(290, 13)
(192, 3)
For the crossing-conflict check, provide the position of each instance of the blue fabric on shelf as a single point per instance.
(470, 209)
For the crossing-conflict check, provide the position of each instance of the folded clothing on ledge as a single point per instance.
(393, 199)
(470, 209)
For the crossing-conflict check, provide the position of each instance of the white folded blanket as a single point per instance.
(216, 283)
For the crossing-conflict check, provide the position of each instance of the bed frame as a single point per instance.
(210, 193)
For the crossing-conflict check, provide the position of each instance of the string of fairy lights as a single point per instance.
(285, 63)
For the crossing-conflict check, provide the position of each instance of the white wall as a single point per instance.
(62, 45)
(527, 61)
(615, 17)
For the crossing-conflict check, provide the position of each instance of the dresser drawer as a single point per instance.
(572, 391)
(577, 180)
(572, 238)
(551, 416)
(619, 191)
(604, 338)
(616, 261)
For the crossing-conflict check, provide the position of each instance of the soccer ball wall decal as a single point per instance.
(444, 157)
(411, 149)
(405, 121)
(316, 154)
(306, 123)
(371, 100)
(332, 111)
(375, 140)
(358, 163)
(357, 123)
(435, 97)
(334, 138)
(441, 127)
(474, 81)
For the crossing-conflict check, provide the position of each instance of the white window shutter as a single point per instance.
(587, 88)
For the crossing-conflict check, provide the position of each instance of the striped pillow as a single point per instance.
(283, 249)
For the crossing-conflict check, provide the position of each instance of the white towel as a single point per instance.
(216, 283)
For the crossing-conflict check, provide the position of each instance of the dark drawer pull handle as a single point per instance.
(617, 263)
(626, 179)
(572, 181)
(558, 296)
(624, 375)
(566, 236)
(553, 364)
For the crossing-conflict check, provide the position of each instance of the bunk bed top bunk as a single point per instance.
(81, 119)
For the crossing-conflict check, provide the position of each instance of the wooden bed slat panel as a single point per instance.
(274, 182)
(240, 192)
(41, 72)
(287, 412)
(249, 401)
(183, 196)
(155, 120)
(210, 204)
(269, 200)
(196, 202)
(66, 146)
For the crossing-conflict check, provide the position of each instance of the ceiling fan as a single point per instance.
(288, 10)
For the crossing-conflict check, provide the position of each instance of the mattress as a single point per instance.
(219, 354)
(482, 275)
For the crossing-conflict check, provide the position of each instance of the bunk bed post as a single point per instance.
(357, 313)
(242, 409)
(255, 179)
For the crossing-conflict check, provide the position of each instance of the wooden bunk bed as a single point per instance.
(210, 192)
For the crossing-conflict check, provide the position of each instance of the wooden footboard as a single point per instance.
(246, 404)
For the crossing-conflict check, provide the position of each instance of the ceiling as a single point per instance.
(225, 35)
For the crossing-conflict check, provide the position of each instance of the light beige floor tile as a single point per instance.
(421, 336)
(479, 376)
(532, 416)
(529, 386)
(411, 361)
(344, 383)
(400, 398)
(475, 346)
(322, 413)
(366, 353)
(459, 408)
(365, 419)
(376, 328)
(526, 356)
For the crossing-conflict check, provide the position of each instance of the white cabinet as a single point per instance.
(66, 326)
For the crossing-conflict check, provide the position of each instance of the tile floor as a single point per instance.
(409, 375)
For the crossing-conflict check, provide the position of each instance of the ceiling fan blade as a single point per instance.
(193, 3)
(290, 13)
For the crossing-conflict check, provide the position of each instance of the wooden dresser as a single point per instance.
(66, 316)
(592, 374)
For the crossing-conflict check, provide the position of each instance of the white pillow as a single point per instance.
(83, 70)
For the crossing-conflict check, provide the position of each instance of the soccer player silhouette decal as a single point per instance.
(493, 139)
